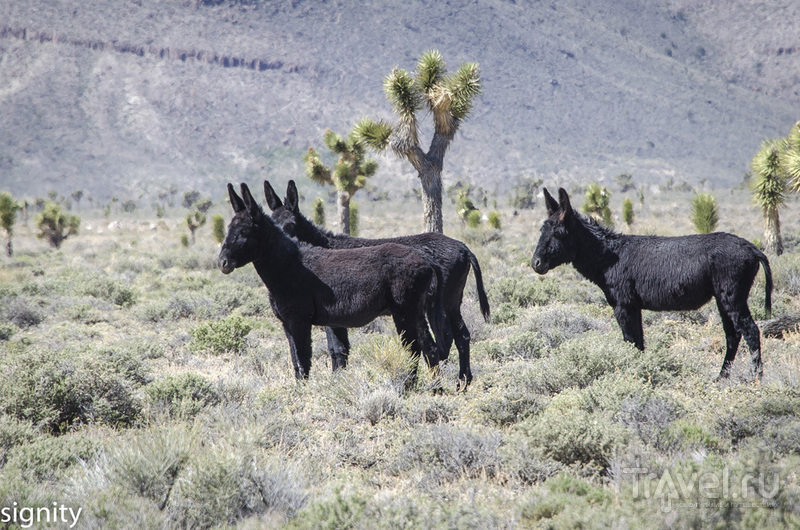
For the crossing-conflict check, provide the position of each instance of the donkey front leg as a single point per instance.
(338, 347)
(299, 336)
(630, 321)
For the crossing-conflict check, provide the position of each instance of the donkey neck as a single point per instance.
(279, 256)
(597, 249)
(310, 233)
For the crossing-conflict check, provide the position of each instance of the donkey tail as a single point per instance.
(482, 300)
(436, 316)
(767, 284)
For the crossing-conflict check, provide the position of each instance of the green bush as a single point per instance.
(218, 228)
(627, 212)
(569, 434)
(705, 214)
(319, 212)
(222, 336)
(523, 292)
(56, 390)
(184, 394)
(494, 220)
(46, 457)
(55, 226)
(473, 218)
(446, 453)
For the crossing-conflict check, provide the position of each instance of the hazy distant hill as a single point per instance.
(128, 98)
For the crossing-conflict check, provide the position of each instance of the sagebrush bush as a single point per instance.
(569, 434)
(45, 457)
(13, 432)
(58, 390)
(445, 453)
(523, 292)
(182, 395)
(222, 336)
(225, 485)
(21, 311)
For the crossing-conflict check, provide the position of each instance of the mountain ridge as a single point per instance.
(128, 100)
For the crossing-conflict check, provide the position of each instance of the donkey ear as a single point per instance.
(564, 205)
(273, 201)
(236, 201)
(291, 197)
(550, 203)
(250, 203)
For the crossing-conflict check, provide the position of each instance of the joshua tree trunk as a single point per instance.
(772, 232)
(432, 199)
(344, 211)
(9, 248)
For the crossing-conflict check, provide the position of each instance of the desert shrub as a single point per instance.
(380, 403)
(7, 330)
(772, 420)
(183, 395)
(577, 363)
(648, 415)
(58, 390)
(21, 311)
(388, 360)
(13, 432)
(226, 486)
(494, 220)
(525, 462)
(509, 406)
(109, 290)
(222, 336)
(424, 408)
(563, 494)
(446, 452)
(473, 218)
(523, 292)
(504, 313)
(338, 510)
(569, 434)
(46, 457)
(149, 464)
(556, 323)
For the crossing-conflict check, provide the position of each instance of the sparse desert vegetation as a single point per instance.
(147, 388)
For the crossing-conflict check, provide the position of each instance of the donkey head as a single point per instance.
(284, 214)
(556, 244)
(242, 245)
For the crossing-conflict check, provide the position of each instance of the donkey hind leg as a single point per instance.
(630, 321)
(462, 340)
(732, 339)
(749, 330)
(299, 336)
(338, 347)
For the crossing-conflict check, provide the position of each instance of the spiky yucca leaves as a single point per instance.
(769, 191)
(791, 157)
(705, 214)
(597, 203)
(448, 98)
(348, 175)
(8, 216)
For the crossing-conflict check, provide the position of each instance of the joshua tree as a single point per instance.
(769, 191)
(597, 203)
(448, 98)
(350, 173)
(195, 220)
(56, 226)
(705, 214)
(8, 216)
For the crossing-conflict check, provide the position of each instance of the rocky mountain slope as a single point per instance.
(129, 98)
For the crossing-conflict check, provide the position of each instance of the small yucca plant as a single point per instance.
(319, 212)
(705, 214)
(769, 184)
(627, 212)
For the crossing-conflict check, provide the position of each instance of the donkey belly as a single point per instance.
(681, 297)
